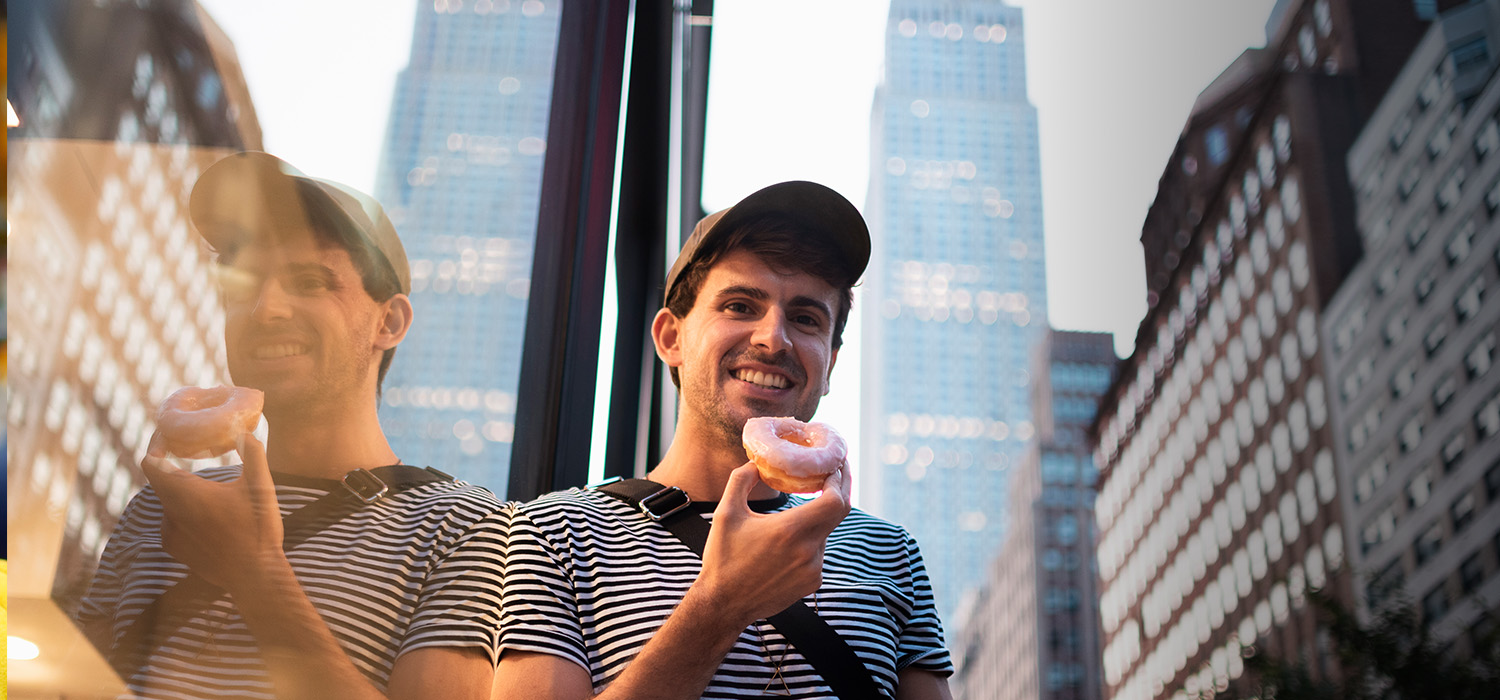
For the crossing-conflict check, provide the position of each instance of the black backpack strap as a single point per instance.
(171, 610)
(828, 653)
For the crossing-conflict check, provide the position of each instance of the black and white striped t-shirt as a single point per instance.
(418, 569)
(591, 579)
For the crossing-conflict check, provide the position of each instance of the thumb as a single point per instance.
(736, 498)
(256, 473)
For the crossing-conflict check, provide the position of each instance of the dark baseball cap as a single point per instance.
(248, 193)
(816, 210)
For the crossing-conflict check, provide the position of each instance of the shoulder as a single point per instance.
(573, 503)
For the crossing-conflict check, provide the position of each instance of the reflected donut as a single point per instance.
(792, 456)
(194, 423)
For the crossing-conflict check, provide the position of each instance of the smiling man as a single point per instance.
(602, 597)
(323, 567)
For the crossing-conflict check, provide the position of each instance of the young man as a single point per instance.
(599, 598)
(394, 595)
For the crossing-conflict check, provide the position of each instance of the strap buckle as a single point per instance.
(664, 503)
(365, 486)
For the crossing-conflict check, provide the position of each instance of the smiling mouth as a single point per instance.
(279, 350)
(762, 379)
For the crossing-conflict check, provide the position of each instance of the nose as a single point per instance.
(271, 302)
(771, 331)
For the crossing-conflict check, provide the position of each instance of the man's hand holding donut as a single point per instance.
(223, 531)
(757, 564)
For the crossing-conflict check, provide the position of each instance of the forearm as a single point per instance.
(683, 656)
(303, 658)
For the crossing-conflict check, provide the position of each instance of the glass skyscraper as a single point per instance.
(461, 177)
(955, 295)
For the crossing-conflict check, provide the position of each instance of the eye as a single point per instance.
(738, 307)
(811, 320)
(306, 284)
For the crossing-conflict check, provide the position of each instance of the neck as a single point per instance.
(326, 443)
(699, 462)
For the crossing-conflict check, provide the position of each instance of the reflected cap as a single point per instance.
(248, 193)
(816, 210)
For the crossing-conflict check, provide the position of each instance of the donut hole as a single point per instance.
(795, 434)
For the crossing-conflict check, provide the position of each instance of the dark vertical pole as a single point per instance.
(641, 224)
(695, 113)
(559, 356)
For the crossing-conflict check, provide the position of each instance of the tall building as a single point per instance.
(460, 175)
(955, 294)
(112, 301)
(1219, 502)
(1412, 334)
(1032, 630)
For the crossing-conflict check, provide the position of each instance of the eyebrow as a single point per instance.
(758, 294)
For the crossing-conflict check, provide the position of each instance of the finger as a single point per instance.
(256, 472)
(157, 447)
(736, 498)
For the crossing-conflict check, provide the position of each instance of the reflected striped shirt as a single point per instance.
(415, 570)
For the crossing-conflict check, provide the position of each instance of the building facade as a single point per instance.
(1219, 503)
(1032, 630)
(113, 301)
(460, 176)
(955, 294)
(1412, 334)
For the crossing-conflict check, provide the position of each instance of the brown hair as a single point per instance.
(784, 246)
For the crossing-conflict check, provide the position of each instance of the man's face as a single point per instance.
(757, 342)
(300, 326)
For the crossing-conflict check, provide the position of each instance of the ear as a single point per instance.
(395, 321)
(666, 334)
(833, 359)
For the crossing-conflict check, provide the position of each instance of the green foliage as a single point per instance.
(1393, 658)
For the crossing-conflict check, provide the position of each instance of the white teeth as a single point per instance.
(271, 352)
(763, 379)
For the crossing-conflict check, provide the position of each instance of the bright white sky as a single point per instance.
(790, 95)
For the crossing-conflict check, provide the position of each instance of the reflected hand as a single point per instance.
(224, 532)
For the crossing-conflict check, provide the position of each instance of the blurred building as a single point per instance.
(1219, 500)
(460, 175)
(1032, 631)
(955, 294)
(111, 299)
(1412, 333)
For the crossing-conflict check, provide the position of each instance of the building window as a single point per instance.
(1487, 418)
(1429, 543)
(1435, 604)
(1410, 178)
(1411, 433)
(1451, 189)
(1480, 357)
(1323, 17)
(1442, 393)
(1388, 277)
(1401, 131)
(1462, 512)
(1404, 378)
(1461, 244)
(1492, 482)
(1308, 45)
(1431, 90)
(1425, 284)
(1488, 139)
(1470, 299)
(1471, 573)
(1442, 137)
(1453, 450)
(1471, 54)
(1395, 327)
(1216, 145)
(1417, 233)
(1435, 337)
(1281, 135)
(1419, 490)
(1492, 198)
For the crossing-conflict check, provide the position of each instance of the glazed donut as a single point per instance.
(194, 423)
(792, 456)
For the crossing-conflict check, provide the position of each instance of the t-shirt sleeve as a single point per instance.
(460, 602)
(921, 641)
(540, 613)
